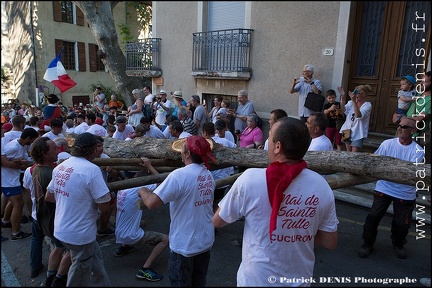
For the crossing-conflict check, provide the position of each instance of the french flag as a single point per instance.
(57, 75)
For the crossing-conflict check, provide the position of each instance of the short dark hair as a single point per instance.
(18, 120)
(321, 120)
(330, 92)
(279, 113)
(33, 120)
(196, 98)
(29, 132)
(176, 125)
(145, 120)
(294, 137)
(91, 116)
(209, 128)
(56, 123)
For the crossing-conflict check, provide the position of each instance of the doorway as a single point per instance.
(391, 39)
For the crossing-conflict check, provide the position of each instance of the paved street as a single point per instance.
(342, 266)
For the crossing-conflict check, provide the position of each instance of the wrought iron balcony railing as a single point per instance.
(223, 53)
(143, 58)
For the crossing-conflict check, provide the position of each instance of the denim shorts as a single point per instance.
(356, 143)
(11, 191)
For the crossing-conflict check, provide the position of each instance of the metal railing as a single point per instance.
(222, 51)
(143, 55)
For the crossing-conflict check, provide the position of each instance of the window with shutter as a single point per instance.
(96, 63)
(70, 54)
(67, 12)
(81, 57)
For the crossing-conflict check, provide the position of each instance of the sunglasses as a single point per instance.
(405, 127)
(353, 117)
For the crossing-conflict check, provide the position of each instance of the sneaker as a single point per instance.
(49, 280)
(4, 238)
(20, 235)
(6, 225)
(106, 232)
(425, 282)
(59, 282)
(364, 251)
(400, 252)
(122, 250)
(148, 274)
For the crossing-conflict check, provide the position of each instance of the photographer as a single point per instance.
(162, 107)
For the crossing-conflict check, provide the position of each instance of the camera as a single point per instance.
(237, 131)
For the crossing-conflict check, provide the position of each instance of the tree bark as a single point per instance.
(324, 162)
(335, 181)
(100, 18)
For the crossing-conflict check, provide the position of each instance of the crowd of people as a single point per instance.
(47, 176)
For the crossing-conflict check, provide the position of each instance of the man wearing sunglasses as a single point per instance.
(403, 196)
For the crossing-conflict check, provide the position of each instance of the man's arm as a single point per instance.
(151, 200)
(49, 197)
(217, 221)
(327, 240)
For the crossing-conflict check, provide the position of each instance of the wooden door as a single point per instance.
(391, 39)
(76, 100)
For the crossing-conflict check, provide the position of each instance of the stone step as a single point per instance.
(372, 142)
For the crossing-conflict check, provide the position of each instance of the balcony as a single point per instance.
(223, 54)
(143, 58)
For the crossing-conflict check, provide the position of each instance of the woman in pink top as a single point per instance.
(252, 136)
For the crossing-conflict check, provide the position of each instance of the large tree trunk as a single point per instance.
(326, 162)
(100, 18)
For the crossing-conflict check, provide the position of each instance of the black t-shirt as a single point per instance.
(332, 116)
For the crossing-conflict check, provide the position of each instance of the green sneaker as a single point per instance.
(148, 274)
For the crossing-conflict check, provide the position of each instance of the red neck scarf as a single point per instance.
(61, 149)
(279, 176)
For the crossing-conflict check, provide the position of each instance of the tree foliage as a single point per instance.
(100, 18)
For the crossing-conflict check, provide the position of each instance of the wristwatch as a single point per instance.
(312, 83)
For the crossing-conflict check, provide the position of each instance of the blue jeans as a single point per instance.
(188, 271)
(36, 246)
(401, 219)
(87, 269)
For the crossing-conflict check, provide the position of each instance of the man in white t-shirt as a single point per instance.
(317, 123)
(402, 196)
(222, 131)
(151, 130)
(56, 129)
(288, 209)
(123, 130)
(162, 106)
(82, 125)
(189, 190)
(78, 180)
(95, 124)
(128, 230)
(176, 130)
(14, 157)
(148, 101)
